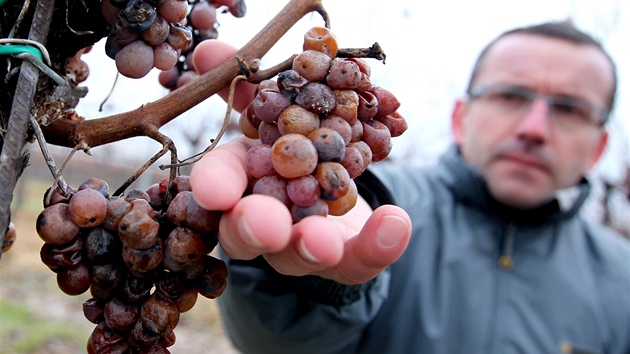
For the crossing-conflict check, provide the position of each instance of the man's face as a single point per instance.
(526, 157)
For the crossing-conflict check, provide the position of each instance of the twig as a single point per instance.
(100, 107)
(215, 142)
(47, 156)
(167, 145)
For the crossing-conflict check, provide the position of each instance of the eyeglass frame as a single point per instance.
(597, 115)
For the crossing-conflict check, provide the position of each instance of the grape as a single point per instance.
(258, 161)
(136, 248)
(87, 208)
(272, 185)
(329, 144)
(179, 36)
(141, 262)
(347, 105)
(157, 33)
(312, 65)
(294, 155)
(368, 106)
(320, 207)
(303, 191)
(159, 315)
(297, 120)
(120, 316)
(57, 257)
(322, 40)
(173, 10)
(268, 133)
(378, 138)
(333, 178)
(268, 104)
(96, 184)
(343, 74)
(183, 247)
(135, 60)
(387, 102)
(138, 230)
(55, 226)
(317, 98)
(342, 205)
(339, 125)
(164, 56)
(394, 122)
(74, 280)
(203, 16)
(93, 310)
(138, 15)
(101, 246)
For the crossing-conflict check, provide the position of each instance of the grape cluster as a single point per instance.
(145, 34)
(143, 261)
(202, 22)
(321, 124)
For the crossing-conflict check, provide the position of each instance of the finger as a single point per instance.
(380, 243)
(316, 244)
(211, 53)
(219, 179)
(256, 225)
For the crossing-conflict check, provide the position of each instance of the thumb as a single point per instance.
(211, 53)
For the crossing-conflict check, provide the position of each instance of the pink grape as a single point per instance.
(135, 60)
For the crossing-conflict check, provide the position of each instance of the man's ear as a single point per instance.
(457, 120)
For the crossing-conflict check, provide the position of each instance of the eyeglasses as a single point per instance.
(515, 100)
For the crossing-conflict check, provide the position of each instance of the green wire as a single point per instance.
(17, 48)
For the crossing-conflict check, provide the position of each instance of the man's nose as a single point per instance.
(535, 123)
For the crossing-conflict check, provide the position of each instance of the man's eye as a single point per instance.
(511, 97)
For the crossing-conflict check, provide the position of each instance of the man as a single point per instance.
(497, 260)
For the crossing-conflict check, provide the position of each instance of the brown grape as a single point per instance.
(55, 226)
(294, 155)
(87, 208)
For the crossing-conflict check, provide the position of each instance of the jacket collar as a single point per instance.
(468, 185)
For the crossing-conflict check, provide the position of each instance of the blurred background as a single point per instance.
(431, 47)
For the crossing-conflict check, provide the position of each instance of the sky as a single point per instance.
(430, 47)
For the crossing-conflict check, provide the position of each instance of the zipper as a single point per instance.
(506, 259)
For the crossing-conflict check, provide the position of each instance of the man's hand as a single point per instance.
(350, 249)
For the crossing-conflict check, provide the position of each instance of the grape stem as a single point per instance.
(224, 127)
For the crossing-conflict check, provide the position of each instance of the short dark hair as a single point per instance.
(561, 30)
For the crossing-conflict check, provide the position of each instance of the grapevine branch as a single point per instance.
(96, 132)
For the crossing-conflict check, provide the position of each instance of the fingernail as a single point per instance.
(390, 231)
(246, 233)
(305, 252)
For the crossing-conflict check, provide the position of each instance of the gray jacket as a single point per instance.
(477, 277)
